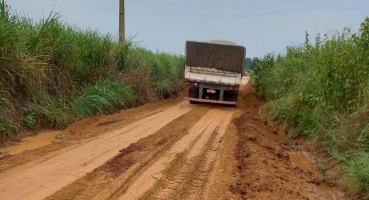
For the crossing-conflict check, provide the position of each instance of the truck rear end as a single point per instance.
(213, 71)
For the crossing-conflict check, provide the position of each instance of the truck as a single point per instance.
(213, 71)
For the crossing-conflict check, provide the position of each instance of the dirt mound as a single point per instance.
(261, 157)
(264, 162)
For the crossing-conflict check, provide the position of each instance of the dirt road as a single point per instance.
(170, 150)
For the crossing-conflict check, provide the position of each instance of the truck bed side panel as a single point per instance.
(211, 75)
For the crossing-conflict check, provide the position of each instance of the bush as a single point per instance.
(321, 90)
(29, 122)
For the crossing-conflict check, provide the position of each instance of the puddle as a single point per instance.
(302, 162)
(325, 188)
(33, 142)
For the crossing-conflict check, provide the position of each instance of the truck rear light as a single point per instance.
(188, 83)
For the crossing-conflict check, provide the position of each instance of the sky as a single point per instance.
(262, 26)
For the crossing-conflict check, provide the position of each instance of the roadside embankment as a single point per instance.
(53, 73)
(319, 90)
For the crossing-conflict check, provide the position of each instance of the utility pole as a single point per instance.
(121, 21)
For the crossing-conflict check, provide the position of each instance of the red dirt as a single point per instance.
(260, 167)
(168, 150)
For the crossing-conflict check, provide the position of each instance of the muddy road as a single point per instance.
(168, 150)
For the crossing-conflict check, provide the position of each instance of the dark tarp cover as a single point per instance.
(219, 56)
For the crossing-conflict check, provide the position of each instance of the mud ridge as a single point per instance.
(264, 169)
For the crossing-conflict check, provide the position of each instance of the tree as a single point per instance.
(250, 63)
(255, 61)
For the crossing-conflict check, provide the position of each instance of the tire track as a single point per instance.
(198, 146)
(191, 180)
(121, 171)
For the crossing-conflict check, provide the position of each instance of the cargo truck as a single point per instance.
(213, 71)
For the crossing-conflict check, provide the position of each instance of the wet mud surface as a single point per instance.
(255, 163)
(170, 150)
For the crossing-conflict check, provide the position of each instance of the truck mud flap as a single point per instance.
(211, 101)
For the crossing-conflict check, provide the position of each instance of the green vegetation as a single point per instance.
(52, 73)
(320, 90)
(29, 122)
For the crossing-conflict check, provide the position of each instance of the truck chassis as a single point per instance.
(212, 93)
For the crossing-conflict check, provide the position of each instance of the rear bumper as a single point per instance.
(212, 85)
(212, 101)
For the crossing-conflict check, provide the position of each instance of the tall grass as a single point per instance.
(57, 73)
(320, 90)
(104, 97)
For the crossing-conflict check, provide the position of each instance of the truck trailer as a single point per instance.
(213, 71)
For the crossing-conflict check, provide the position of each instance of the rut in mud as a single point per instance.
(181, 151)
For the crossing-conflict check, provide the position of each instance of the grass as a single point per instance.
(104, 97)
(53, 73)
(320, 90)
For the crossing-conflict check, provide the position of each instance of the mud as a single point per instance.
(31, 143)
(263, 161)
(169, 150)
(262, 168)
(190, 161)
(47, 174)
(83, 130)
(118, 173)
(300, 161)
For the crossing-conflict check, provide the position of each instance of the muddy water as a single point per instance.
(302, 162)
(32, 142)
(326, 192)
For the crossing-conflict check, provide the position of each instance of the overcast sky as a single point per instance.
(262, 26)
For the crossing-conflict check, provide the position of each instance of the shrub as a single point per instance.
(321, 90)
(29, 122)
